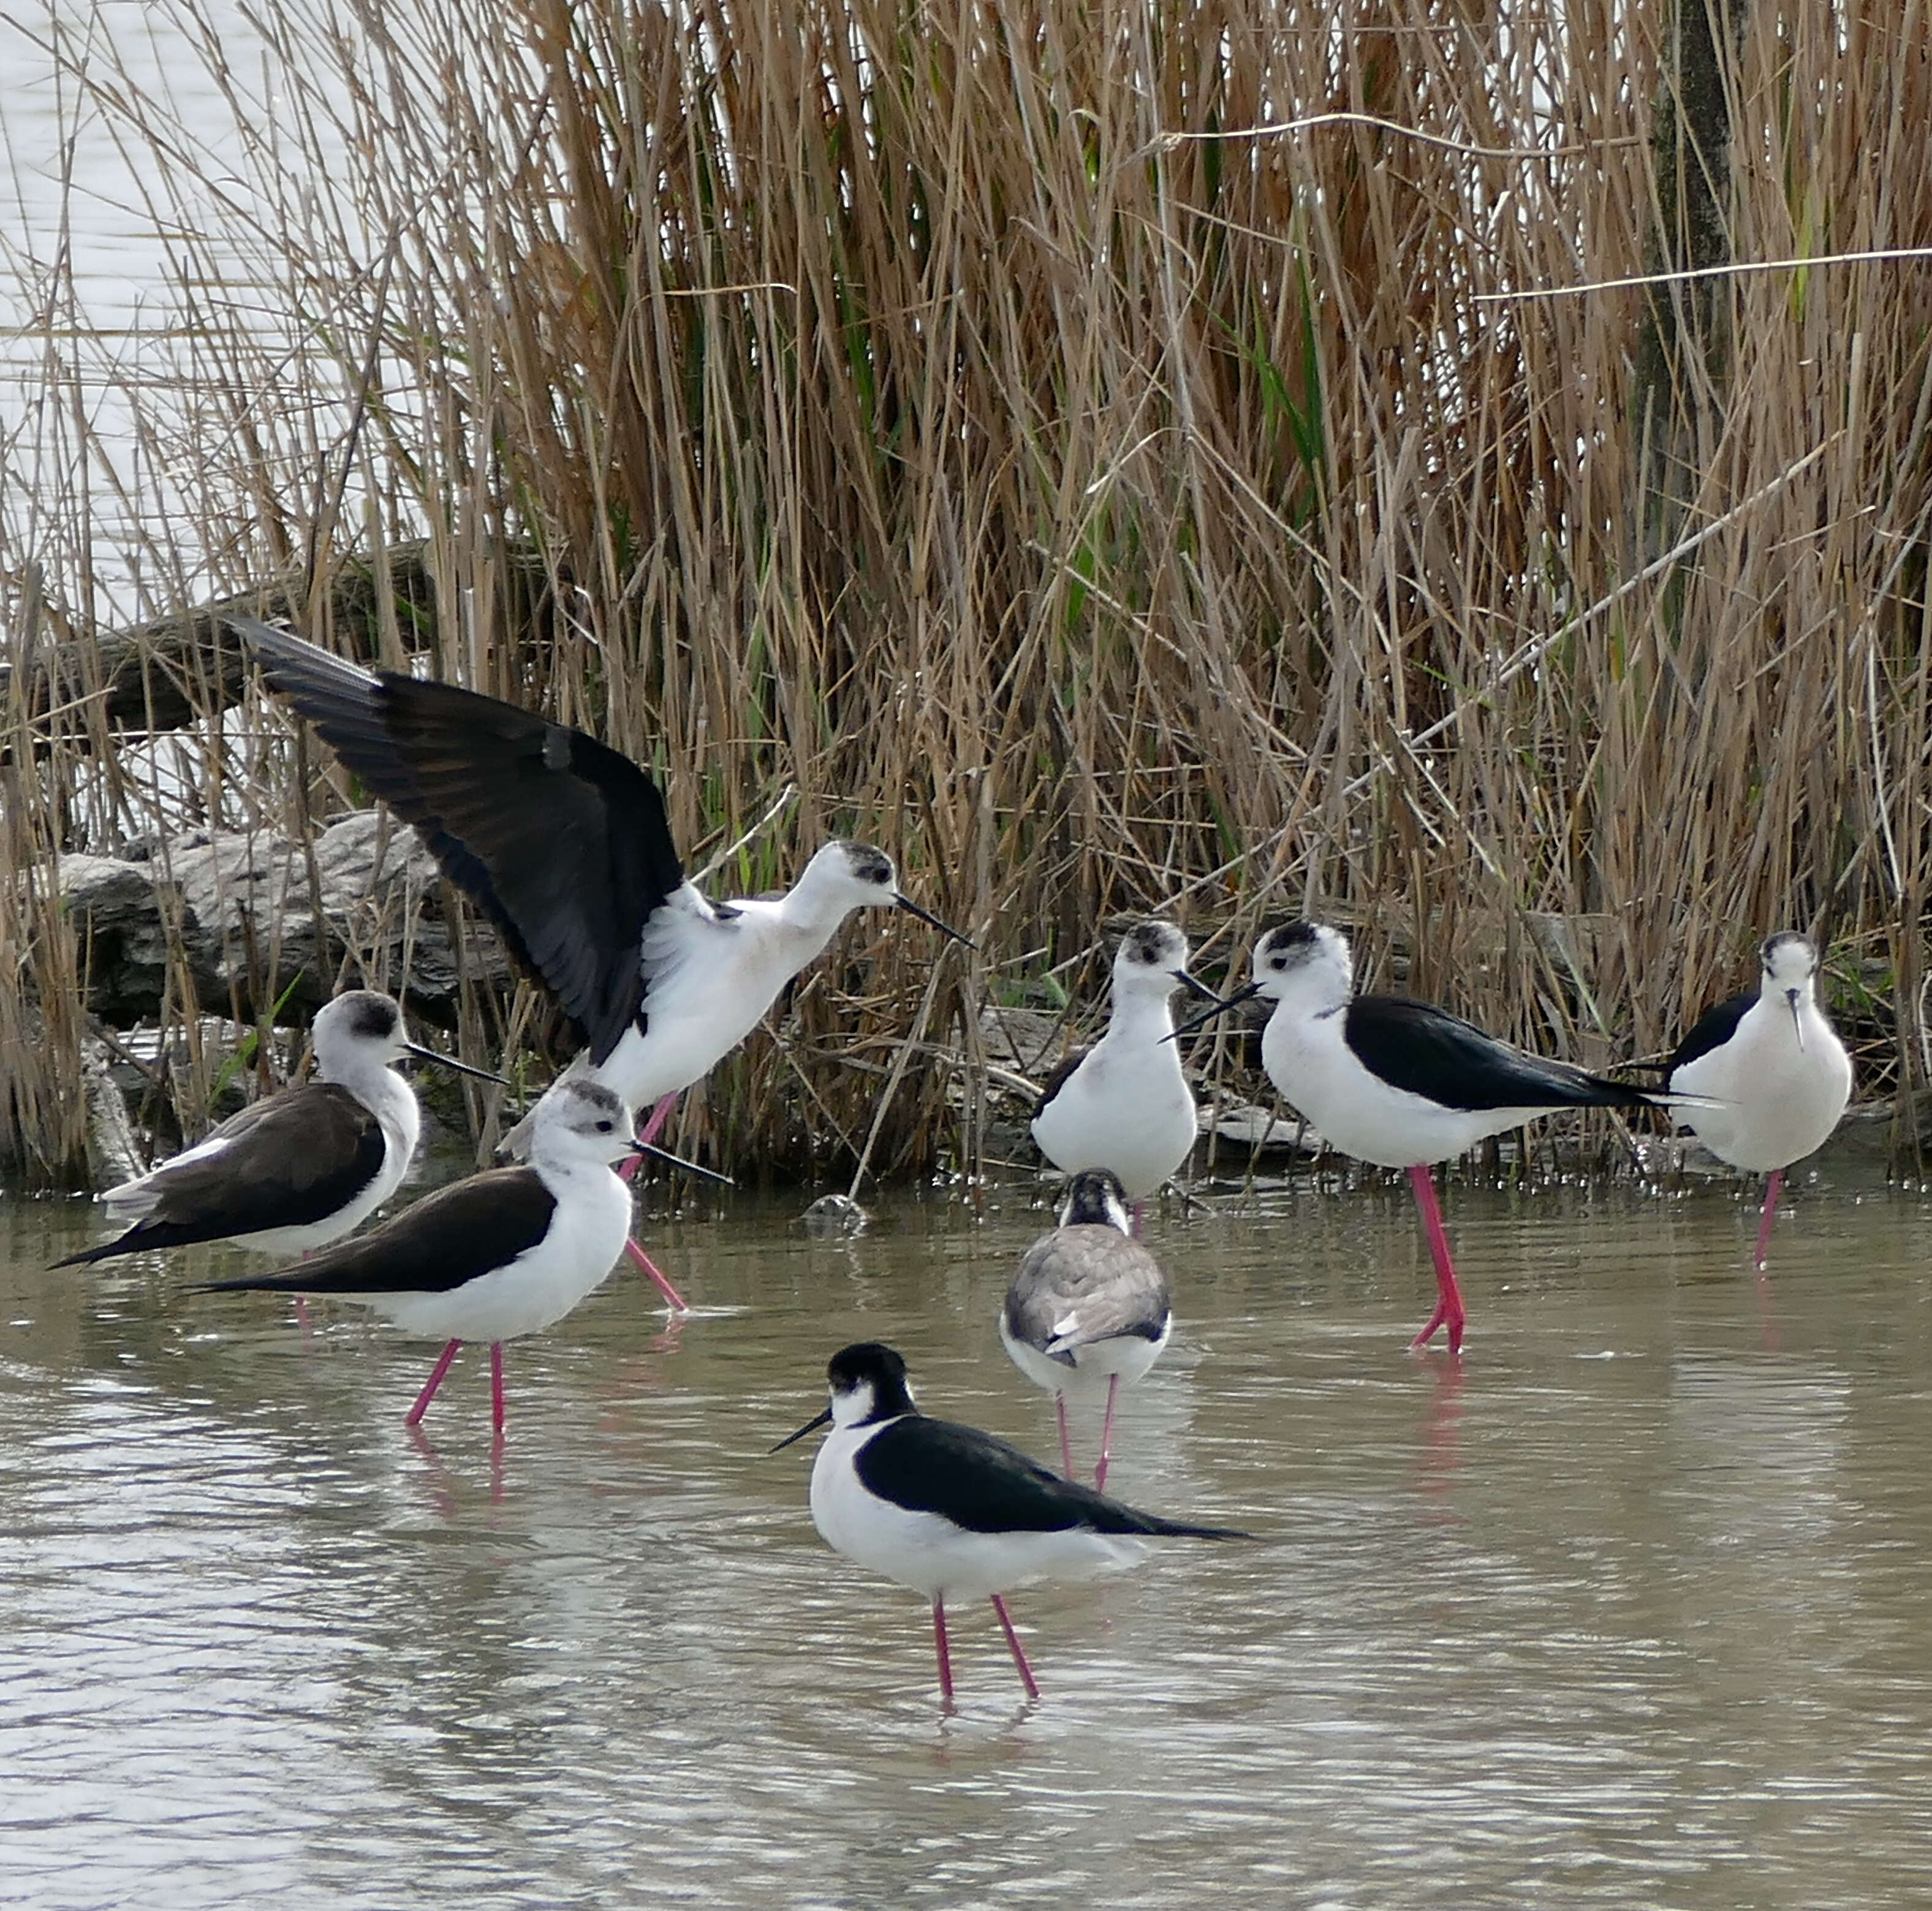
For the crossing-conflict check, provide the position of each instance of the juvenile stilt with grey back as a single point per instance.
(1087, 1301)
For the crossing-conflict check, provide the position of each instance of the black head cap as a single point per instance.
(1152, 942)
(871, 1363)
(1774, 946)
(371, 1016)
(1288, 935)
(869, 865)
(1095, 1198)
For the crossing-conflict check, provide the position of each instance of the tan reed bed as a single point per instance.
(1118, 457)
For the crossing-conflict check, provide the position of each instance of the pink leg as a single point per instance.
(1013, 1646)
(1771, 1189)
(1448, 1297)
(673, 1299)
(628, 1168)
(945, 1657)
(1066, 1445)
(496, 1388)
(1106, 1436)
(414, 1417)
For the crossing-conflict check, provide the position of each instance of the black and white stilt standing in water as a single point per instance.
(564, 844)
(953, 1512)
(1772, 1065)
(301, 1167)
(1399, 1083)
(508, 1252)
(1087, 1302)
(1123, 1104)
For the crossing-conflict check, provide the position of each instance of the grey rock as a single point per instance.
(237, 914)
(835, 1217)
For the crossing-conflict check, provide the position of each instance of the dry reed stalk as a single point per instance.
(1108, 455)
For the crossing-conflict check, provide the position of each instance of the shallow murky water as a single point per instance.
(1634, 1606)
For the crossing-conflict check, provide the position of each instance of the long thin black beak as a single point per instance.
(1222, 1003)
(1797, 1021)
(449, 1061)
(912, 908)
(1196, 986)
(810, 1426)
(652, 1152)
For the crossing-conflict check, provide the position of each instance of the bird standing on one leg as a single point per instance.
(1399, 1083)
(1772, 1067)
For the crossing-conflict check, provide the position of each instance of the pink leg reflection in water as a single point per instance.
(1439, 1457)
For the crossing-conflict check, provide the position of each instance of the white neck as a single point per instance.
(812, 912)
(365, 1075)
(1141, 1014)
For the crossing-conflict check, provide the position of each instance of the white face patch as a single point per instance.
(852, 1406)
(1789, 961)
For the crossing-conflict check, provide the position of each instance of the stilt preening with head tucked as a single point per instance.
(1123, 1104)
(1087, 1302)
(1399, 1083)
(953, 1512)
(564, 844)
(507, 1252)
(299, 1169)
(1776, 1076)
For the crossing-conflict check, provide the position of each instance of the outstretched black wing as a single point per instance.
(562, 842)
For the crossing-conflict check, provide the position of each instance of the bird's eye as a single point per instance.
(603, 1127)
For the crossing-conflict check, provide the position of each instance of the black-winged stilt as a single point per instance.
(506, 1252)
(1772, 1065)
(564, 844)
(953, 1512)
(301, 1167)
(1123, 1104)
(1087, 1301)
(1400, 1083)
